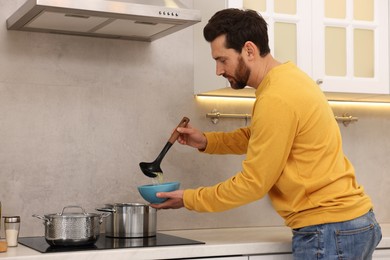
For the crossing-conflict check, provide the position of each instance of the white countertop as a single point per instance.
(219, 242)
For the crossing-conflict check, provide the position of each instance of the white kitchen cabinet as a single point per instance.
(350, 45)
(378, 254)
(342, 44)
(225, 258)
(381, 254)
(288, 28)
(205, 78)
(271, 257)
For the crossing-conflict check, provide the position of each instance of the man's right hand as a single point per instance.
(192, 137)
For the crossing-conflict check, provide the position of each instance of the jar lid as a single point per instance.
(11, 219)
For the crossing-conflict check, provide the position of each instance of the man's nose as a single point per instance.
(219, 70)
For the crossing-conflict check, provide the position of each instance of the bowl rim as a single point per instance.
(159, 185)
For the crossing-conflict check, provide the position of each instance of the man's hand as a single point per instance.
(175, 200)
(192, 137)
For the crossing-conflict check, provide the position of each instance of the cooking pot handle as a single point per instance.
(73, 207)
(104, 215)
(47, 221)
(111, 210)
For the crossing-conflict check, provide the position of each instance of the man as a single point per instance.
(293, 149)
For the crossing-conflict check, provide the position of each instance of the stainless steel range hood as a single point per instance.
(143, 20)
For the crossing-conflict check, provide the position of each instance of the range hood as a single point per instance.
(143, 20)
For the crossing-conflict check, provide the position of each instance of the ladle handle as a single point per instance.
(175, 134)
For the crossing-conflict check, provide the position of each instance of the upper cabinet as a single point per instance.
(350, 45)
(342, 44)
(205, 77)
(289, 29)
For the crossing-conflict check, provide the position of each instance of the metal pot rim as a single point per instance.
(126, 204)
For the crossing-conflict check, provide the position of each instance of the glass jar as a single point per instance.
(11, 227)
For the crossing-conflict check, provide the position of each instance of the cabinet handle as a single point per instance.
(215, 115)
(346, 119)
(319, 81)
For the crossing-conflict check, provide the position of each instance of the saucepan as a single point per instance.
(72, 228)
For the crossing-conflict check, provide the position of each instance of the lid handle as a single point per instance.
(72, 206)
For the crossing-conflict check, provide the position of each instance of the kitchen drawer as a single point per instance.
(271, 257)
(225, 258)
(381, 254)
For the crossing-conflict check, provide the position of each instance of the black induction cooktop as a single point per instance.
(40, 244)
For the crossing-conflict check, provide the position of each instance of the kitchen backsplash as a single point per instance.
(78, 114)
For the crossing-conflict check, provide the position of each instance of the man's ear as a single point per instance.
(249, 50)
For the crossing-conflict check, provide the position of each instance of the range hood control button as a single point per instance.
(168, 13)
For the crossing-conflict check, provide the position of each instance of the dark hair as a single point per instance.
(239, 26)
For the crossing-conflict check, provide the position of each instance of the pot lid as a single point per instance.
(72, 214)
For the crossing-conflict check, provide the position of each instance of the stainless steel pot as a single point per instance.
(72, 229)
(130, 220)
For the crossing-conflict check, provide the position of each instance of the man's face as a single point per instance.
(230, 64)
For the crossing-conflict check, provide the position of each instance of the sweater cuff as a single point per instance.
(188, 199)
(211, 143)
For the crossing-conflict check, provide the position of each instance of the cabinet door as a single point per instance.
(289, 29)
(225, 258)
(381, 254)
(271, 257)
(288, 21)
(205, 77)
(350, 45)
(342, 44)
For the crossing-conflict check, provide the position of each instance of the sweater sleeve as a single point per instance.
(267, 145)
(235, 142)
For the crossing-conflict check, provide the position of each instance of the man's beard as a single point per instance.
(241, 75)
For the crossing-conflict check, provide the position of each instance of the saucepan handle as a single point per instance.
(46, 220)
(106, 210)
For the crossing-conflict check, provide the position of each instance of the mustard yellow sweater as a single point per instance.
(293, 152)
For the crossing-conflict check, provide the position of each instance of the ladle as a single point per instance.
(152, 169)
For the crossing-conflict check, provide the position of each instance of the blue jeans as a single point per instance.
(350, 240)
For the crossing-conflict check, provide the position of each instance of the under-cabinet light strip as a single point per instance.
(331, 102)
(359, 103)
(227, 98)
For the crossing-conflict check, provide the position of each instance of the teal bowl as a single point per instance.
(148, 192)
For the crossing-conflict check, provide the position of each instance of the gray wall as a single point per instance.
(78, 114)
